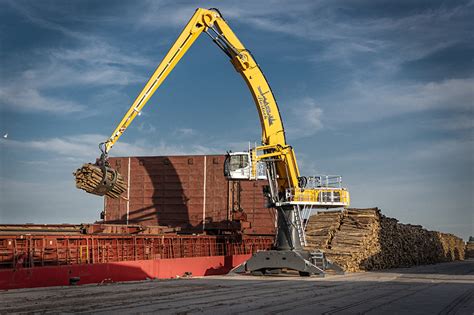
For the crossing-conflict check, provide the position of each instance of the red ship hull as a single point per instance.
(117, 271)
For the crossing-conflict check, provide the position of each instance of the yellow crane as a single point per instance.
(294, 196)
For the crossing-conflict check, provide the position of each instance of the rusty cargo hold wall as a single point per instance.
(189, 192)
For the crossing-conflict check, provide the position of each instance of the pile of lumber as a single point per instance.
(320, 232)
(90, 176)
(470, 248)
(364, 239)
(356, 239)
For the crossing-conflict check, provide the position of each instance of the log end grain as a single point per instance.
(90, 178)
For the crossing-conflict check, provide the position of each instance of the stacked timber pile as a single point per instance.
(470, 248)
(357, 238)
(452, 247)
(90, 178)
(322, 227)
(364, 239)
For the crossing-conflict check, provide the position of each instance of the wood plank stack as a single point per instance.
(364, 239)
(89, 178)
(321, 228)
(356, 239)
(470, 248)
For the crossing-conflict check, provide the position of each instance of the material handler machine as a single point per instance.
(292, 195)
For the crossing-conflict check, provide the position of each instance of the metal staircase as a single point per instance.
(298, 223)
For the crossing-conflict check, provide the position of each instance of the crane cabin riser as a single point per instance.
(288, 192)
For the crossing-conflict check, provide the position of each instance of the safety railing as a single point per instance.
(319, 196)
(327, 181)
(47, 250)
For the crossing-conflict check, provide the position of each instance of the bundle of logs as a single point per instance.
(90, 178)
(364, 239)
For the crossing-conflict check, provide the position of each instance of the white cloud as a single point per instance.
(15, 97)
(86, 147)
(29, 13)
(97, 51)
(447, 150)
(304, 118)
(370, 101)
(160, 14)
(146, 128)
(70, 204)
(453, 150)
(27, 91)
(185, 132)
(341, 35)
(78, 146)
(91, 62)
(161, 148)
(455, 123)
(389, 41)
(312, 117)
(55, 70)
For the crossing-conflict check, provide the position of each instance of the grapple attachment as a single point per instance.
(100, 178)
(109, 178)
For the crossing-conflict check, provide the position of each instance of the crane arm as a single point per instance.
(213, 24)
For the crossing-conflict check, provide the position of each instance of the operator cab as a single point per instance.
(237, 165)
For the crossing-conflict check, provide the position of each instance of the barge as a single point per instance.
(180, 217)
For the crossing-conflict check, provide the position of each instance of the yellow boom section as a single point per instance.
(245, 64)
(273, 135)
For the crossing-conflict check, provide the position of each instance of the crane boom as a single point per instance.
(212, 23)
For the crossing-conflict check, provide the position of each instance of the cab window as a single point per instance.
(238, 162)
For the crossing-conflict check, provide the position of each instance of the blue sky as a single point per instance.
(379, 92)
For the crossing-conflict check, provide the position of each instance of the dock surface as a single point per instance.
(446, 288)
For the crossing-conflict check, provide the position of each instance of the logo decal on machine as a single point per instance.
(265, 106)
